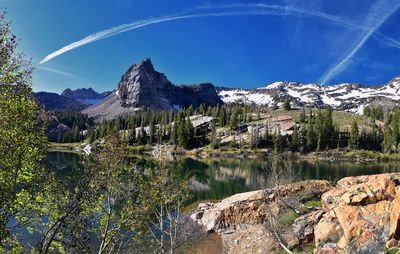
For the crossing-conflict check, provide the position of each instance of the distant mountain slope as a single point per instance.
(143, 87)
(347, 96)
(70, 100)
(86, 95)
(54, 101)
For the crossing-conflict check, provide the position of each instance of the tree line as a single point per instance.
(314, 131)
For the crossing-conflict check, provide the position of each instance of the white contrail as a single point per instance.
(388, 41)
(127, 27)
(373, 22)
(63, 73)
(287, 10)
(263, 9)
(57, 72)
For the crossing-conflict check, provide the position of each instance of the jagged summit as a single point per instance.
(143, 87)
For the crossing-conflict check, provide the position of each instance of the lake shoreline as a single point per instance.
(172, 151)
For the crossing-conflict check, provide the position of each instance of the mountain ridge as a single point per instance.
(345, 96)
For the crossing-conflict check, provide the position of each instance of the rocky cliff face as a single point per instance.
(143, 87)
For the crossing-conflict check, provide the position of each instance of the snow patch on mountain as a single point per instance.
(346, 96)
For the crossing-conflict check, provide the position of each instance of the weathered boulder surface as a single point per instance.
(256, 206)
(360, 215)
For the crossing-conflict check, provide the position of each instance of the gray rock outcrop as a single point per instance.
(143, 87)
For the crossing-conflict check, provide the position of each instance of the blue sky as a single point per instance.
(243, 44)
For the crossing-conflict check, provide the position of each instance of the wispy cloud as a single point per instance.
(63, 73)
(256, 9)
(57, 72)
(388, 41)
(379, 13)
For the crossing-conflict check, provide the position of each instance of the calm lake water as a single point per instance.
(219, 178)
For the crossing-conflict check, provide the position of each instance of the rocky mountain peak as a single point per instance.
(143, 87)
(139, 86)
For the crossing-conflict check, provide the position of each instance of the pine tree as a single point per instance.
(189, 130)
(303, 116)
(245, 115)
(132, 136)
(353, 141)
(310, 135)
(278, 141)
(202, 109)
(181, 133)
(295, 142)
(233, 122)
(250, 117)
(90, 134)
(174, 134)
(143, 135)
(286, 105)
(367, 111)
(213, 136)
(190, 111)
(151, 131)
(252, 139)
(222, 117)
(387, 134)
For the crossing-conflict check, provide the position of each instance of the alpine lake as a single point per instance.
(217, 178)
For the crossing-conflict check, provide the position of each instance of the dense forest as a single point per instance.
(315, 129)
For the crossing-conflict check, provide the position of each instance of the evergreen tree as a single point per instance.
(181, 132)
(213, 136)
(233, 122)
(295, 142)
(222, 117)
(90, 134)
(353, 141)
(132, 137)
(143, 135)
(303, 116)
(189, 130)
(174, 135)
(250, 117)
(310, 135)
(387, 134)
(202, 109)
(278, 141)
(367, 111)
(190, 111)
(286, 105)
(151, 131)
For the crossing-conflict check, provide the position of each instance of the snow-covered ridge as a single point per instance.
(346, 96)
